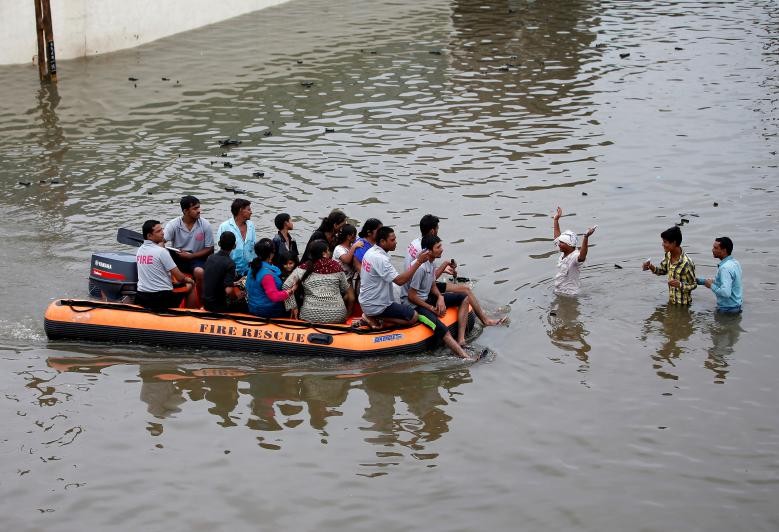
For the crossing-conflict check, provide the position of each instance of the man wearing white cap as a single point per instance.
(566, 280)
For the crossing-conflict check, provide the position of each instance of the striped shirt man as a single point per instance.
(683, 270)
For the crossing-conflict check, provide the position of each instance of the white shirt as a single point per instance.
(376, 276)
(566, 280)
(348, 268)
(154, 266)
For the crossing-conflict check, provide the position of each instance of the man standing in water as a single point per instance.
(727, 284)
(566, 280)
(679, 268)
(191, 235)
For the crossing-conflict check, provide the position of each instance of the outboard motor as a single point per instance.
(113, 276)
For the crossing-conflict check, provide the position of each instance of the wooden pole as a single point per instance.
(47, 27)
(41, 41)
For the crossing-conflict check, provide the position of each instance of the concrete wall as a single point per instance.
(88, 27)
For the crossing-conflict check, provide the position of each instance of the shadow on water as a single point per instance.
(405, 401)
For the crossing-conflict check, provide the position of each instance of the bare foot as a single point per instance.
(491, 322)
(373, 323)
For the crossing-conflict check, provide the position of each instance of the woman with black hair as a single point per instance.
(326, 231)
(264, 291)
(327, 295)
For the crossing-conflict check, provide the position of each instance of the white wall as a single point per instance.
(88, 27)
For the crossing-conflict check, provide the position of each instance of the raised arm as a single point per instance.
(556, 218)
(585, 244)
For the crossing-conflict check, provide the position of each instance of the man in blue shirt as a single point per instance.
(727, 284)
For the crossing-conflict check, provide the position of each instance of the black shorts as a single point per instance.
(398, 311)
(159, 300)
(441, 286)
(430, 319)
(451, 299)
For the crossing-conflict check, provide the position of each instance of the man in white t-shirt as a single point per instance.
(155, 267)
(566, 280)
(377, 275)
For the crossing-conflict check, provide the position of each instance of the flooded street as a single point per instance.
(611, 411)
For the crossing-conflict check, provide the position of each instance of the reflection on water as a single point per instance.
(567, 332)
(725, 330)
(671, 326)
(405, 401)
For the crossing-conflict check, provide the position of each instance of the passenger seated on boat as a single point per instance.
(327, 295)
(326, 231)
(263, 284)
(377, 296)
(155, 269)
(219, 291)
(242, 227)
(283, 243)
(422, 292)
(191, 234)
(347, 244)
(428, 225)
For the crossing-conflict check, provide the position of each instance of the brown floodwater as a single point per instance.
(607, 412)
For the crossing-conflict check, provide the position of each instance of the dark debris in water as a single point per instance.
(132, 79)
(716, 204)
(258, 174)
(307, 84)
(617, 266)
(329, 130)
(227, 164)
(267, 133)
(624, 55)
(25, 183)
(229, 142)
(435, 52)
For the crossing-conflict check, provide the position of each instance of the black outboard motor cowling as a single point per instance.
(113, 276)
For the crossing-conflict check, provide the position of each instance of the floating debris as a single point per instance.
(224, 154)
(228, 164)
(624, 55)
(503, 69)
(132, 79)
(267, 133)
(553, 313)
(165, 79)
(55, 181)
(307, 84)
(239, 191)
(42, 181)
(716, 204)
(230, 189)
(617, 266)
(329, 130)
(435, 52)
(300, 61)
(258, 174)
(25, 183)
(678, 48)
(584, 193)
(229, 142)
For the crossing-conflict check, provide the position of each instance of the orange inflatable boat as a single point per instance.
(73, 319)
